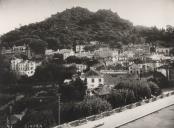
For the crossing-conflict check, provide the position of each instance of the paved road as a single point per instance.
(161, 119)
(119, 119)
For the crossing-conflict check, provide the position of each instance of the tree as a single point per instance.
(64, 29)
(152, 50)
(91, 47)
(172, 51)
(6, 75)
(75, 91)
(44, 118)
(128, 91)
(50, 72)
(75, 110)
(139, 87)
(73, 59)
(91, 106)
(160, 80)
(121, 97)
(169, 29)
(57, 58)
(38, 46)
(155, 90)
(53, 43)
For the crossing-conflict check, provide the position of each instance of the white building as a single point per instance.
(94, 42)
(81, 67)
(163, 50)
(130, 54)
(144, 67)
(159, 57)
(93, 79)
(24, 67)
(103, 52)
(84, 54)
(51, 52)
(66, 53)
(19, 49)
(80, 48)
(14, 63)
(23, 49)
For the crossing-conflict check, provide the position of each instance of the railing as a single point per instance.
(113, 111)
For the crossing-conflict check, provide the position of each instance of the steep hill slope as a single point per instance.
(79, 25)
(72, 26)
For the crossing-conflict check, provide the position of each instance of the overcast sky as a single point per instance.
(14, 13)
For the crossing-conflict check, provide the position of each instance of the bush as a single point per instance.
(71, 111)
(140, 88)
(160, 80)
(155, 90)
(91, 106)
(131, 90)
(75, 91)
(121, 97)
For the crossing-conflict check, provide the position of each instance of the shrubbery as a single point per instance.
(121, 97)
(129, 91)
(160, 80)
(89, 106)
(75, 91)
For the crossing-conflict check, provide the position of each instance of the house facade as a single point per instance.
(24, 67)
(103, 53)
(19, 49)
(81, 67)
(163, 50)
(79, 48)
(93, 79)
(66, 53)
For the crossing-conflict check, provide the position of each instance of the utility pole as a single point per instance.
(58, 109)
(10, 114)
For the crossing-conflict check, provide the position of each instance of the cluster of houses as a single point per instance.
(125, 58)
(150, 60)
(17, 50)
(114, 65)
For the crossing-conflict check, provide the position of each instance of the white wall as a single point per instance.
(94, 84)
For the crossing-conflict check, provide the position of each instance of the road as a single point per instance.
(119, 119)
(161, 119)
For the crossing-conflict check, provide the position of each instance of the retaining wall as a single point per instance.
(77, 123)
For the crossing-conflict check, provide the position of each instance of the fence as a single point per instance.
(113, 111)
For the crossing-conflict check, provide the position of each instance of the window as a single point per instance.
(92, 80)
(99, 80)
(166, 51)
(92, 85)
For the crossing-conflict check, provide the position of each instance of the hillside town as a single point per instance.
(113, 64)
(131, 59)
(79, 67)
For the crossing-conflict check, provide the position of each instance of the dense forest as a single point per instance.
(80, 26)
